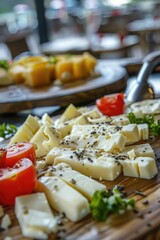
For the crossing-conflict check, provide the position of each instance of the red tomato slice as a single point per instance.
(3, 153)
(18, 151)
(112, 105)
(17, 181)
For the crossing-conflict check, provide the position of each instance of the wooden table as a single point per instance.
(144, 28)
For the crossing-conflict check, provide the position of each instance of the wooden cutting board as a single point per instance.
(139, 225)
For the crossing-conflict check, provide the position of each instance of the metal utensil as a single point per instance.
(141, 89)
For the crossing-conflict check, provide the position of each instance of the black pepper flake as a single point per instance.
(61, 175)
(140, 193)
(55, 187)
(73, 181)
(135, 211)
(149, 225)
(25, 210)
(71, 156)
(140, 215)
(145, 202)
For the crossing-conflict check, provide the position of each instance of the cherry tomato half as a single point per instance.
(18, 151)
(3, 153)
(16, 181)
(112, 105)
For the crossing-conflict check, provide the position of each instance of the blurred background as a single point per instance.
(106, 28)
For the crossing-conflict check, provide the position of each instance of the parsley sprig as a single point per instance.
(4, 64)
(7, 130)
(106, 203)
(154, 128)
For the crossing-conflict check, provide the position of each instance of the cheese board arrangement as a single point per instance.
(97, 173)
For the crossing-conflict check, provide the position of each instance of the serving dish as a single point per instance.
(15, 98)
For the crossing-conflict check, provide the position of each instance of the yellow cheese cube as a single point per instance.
(62, 67)
(79, 68)
(90, 62)
(37, 74)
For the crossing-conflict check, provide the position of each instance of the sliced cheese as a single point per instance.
(80, 182)
(35, 216)
(45, 139)
(64, 198)
(26, 131)
(70, 113)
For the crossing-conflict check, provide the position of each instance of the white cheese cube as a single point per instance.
(131, 133)
(64, 198)
(130, 168)
(80, 182)
(35, 216)
(131, 154)
(147, 167)
(143, 131)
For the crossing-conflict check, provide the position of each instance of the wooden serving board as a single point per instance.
(15, 98)
(143, 224)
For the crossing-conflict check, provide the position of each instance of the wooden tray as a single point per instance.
(131, 226)
(19, 97)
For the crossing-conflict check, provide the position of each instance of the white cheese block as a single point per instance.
(80, 182)
(131, 154)
(131, 133)
(90, 166)
(35, 216)
(64, 198)
(143, 131)
(147, 167)
(130, 167)
(26, 131)
(6, 222)
(93, 114)
(143, 167)
(141, 150)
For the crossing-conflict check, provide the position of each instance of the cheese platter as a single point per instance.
(82, 151)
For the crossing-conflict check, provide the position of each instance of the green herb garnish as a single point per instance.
(106, 203)
(154, 128)
(53, 60)
(4, 64)
(7, 130)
